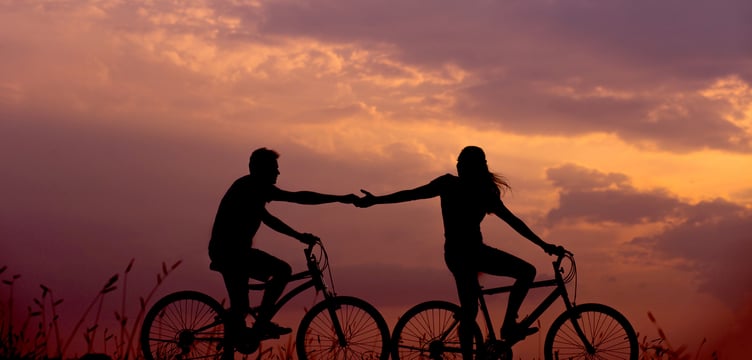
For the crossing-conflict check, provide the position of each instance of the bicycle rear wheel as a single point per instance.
(429, 331)
(609, 333)
(365, 332)
(184, 325)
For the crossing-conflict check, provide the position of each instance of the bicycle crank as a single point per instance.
(497, 350)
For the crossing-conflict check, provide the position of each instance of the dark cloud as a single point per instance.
(480, 33)
(660, 54)
(533, 67)
(593, 196)
(714, 242)
(710, 239)
(690, 122)
(573, 177)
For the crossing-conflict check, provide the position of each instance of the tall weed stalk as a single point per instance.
(18, 343)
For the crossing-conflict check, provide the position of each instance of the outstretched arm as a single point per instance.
(518, 225)
(422, 192)
(277, 225)
(313, 198)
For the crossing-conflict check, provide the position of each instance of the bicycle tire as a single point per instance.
(610, 333)
(184, 325)
(418, 333)
(366, 331)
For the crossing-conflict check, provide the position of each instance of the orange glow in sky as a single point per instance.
(625, 129)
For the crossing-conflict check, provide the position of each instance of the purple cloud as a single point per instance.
(710, 239)
(593, 196)
(659, 56)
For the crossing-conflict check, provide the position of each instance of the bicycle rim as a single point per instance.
(429, 331)
(183, 325)
(608, 331)
(366, 334)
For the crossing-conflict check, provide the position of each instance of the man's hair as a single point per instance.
(261, 158)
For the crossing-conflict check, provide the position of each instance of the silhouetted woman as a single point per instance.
(465, 201)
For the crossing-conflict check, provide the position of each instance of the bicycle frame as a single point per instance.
(559, 290)
(314, 274)
(315, 279)
(431, 329)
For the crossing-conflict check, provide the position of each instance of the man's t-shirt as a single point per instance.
(239, 218)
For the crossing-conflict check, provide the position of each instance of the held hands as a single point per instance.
(360, 202)
(349, 199)
(366, 201)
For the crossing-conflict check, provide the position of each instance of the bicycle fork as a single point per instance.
(580, 333)
(332, 308)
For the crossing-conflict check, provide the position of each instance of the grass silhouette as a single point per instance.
(39, 335)
(661, 349)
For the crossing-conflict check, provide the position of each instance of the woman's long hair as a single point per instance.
(471, 164)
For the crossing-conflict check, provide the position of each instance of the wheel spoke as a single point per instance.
(429, 331)
(608, 332)
(365, 333)
(183, 325)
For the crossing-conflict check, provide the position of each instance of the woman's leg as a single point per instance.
(496, 262)
(468, 290)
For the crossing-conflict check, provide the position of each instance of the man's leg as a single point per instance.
(276, 273)
(237, 290)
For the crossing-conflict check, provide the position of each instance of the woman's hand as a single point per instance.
(366, 201)
(552, 249)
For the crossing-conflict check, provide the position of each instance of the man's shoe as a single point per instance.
(517, 332)
(270, 330)
(245, 341)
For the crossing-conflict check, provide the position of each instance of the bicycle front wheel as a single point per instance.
(343, 328)
(184, 325)
(429, 330)
(590, 331)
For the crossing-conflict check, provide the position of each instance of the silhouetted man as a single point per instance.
(240, 214)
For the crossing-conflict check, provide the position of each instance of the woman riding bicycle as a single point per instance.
(465, 201)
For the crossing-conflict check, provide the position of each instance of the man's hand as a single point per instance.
(349, 199)
(366, 201)
(308, 239)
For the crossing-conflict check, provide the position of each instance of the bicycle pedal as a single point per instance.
(269, 336)
(247, 347)
(497, 350)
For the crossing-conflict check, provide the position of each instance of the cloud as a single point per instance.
(676, 120)
(595, 197)
(545, 38)
(713, 241)
(537, 67)
(559, 67)
(709, 239)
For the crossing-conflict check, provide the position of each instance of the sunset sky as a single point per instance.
(624, 127)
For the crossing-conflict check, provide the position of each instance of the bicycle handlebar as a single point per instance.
(309, 249)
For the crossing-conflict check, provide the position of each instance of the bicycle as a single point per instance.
(586, 331)
(190, 324)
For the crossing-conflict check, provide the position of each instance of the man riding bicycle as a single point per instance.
(240, 214)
